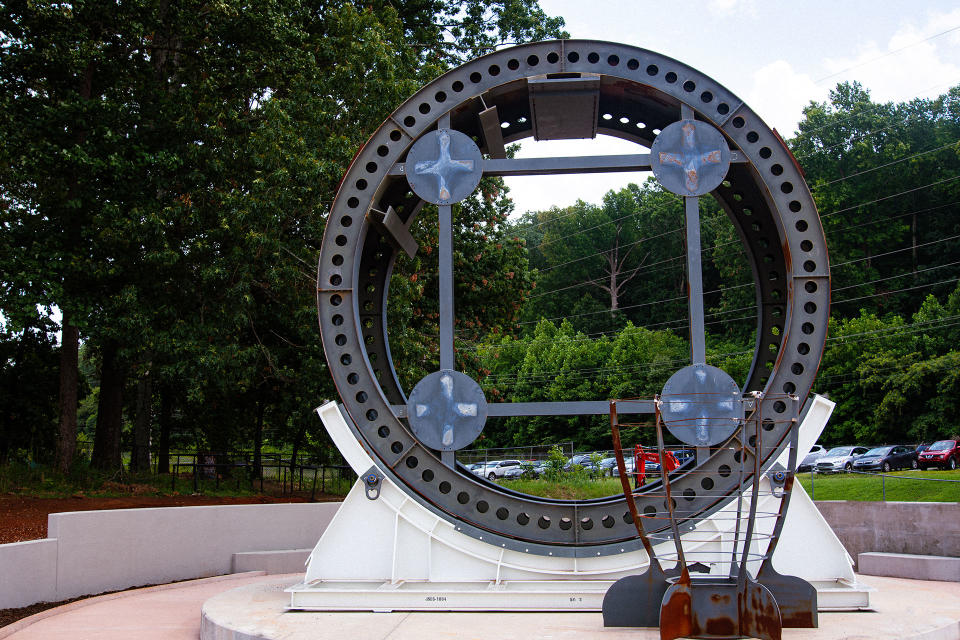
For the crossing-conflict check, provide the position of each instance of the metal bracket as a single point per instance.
(372, 481)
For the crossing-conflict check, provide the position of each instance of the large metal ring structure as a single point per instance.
(621, 91)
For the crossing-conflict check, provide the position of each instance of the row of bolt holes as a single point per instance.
(552, 58)
(806, 245)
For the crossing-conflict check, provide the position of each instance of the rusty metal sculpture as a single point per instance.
(703, 140)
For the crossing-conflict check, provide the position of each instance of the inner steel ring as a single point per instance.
(767, 201)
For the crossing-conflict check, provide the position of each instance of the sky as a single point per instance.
(776, 56)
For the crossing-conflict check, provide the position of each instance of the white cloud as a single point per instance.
(907, 65)
(778, 94)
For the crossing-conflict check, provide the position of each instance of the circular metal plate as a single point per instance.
(447, 410)
(690, 158)
(701, 405)
(444, 166)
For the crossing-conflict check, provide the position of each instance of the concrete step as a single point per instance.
(906, 565)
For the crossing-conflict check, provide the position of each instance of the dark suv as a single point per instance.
(887, 459)
(942, 453)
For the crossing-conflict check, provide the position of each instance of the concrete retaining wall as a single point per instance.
(94, 551)
(919, 528)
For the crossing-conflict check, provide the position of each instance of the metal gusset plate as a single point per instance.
(701, 405)
(690, 158)
(444, 166)
(447, 410)
(636, 92)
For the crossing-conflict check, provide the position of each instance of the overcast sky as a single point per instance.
(776, 56)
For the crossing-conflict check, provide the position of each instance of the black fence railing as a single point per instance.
(273, 473)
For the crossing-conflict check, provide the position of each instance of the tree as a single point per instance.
(164, 172)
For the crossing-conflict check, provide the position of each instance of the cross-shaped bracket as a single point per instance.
(446, 410)
(690, 158)
(446, 166)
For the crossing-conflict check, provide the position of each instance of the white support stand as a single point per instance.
(394, 554)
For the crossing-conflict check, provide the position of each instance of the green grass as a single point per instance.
(567, 488)
(845, 486)
(825, 487)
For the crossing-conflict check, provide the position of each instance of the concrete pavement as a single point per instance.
(252, 605)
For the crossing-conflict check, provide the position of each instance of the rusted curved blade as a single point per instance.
(759, 613)
(676, 613)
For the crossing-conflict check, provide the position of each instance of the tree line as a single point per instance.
(165, 168)
(165, 172)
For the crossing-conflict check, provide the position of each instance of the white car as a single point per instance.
(839, 459)
(496, 468)
(810, 460)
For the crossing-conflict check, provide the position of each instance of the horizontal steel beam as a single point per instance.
(564, 164)
(585, 408)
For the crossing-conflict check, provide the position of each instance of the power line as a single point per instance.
(595, 371)
(888, 164)
(887, 54)
(895, 195)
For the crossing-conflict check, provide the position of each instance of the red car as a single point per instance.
(942, 453)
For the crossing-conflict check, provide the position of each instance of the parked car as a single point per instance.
(527, 469)
(887, 458)
(809, 460)
(607, 466)
(497, 468)
(583, 460)
(942, 453)
(628, 463)
(839, 459)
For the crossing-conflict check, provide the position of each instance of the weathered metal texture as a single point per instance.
(796, 598)
(564, 106)
(634, 601)
(444, 166)
(701, 405)
(717, 608)
(690, 158)
(447, 410)
(639, 91)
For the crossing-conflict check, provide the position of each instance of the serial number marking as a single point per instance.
(436, 598)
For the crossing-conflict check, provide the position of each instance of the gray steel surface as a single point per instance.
(690, 158)
(765, 198)
(447, 410)
(701, 405)
(444, 166)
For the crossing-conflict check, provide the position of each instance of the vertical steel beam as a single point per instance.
(698, 347)
(446, 285)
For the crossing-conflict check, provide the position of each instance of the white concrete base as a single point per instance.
(903, 610)
(906, 565)
(393, 553)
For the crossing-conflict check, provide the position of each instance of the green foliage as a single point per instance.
(164, 173)
(569, 486)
